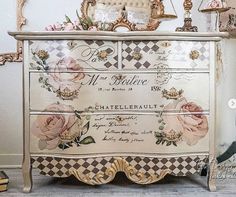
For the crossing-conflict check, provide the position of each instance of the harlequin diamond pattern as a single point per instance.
(59, 167)
(130, 47)
(59, 49)
(178, 51)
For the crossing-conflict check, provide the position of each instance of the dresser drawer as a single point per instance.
(118, 91)
(170, 54)
(87, 134)
(73, 55)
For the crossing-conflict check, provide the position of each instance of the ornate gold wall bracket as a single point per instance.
(21, 20)
(119, 165)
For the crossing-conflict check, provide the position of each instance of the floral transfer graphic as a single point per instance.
(188, 125)
(80, 24)
(65, 84)
(61, 130)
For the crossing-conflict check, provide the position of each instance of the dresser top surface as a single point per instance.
(101, 35)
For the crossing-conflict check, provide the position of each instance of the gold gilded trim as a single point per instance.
(119, 165)
(85, 5)
(172, 93)
(21, 20)
(194, 54)
(122, 22)
(157, 8)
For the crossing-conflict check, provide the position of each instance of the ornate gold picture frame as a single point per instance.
(156, 7)
(20, 20)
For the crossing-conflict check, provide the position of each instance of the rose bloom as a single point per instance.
(214, 4)
(69, 27)
(70, 80)
(49, 128)
(58, 27)
(92, 28)
(193, 126)
(49, 28)
(77, 25)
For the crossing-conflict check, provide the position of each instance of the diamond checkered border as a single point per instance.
(145, 47)
(179, 166)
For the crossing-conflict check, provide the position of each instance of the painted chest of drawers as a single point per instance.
(98, 103)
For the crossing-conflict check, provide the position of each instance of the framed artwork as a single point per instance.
(228, 19)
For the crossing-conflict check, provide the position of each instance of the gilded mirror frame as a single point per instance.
(20, 20)
(152, 25)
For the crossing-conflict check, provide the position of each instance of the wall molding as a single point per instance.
(20, 21)
(10, 160)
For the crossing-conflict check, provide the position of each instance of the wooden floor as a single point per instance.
(70, 187)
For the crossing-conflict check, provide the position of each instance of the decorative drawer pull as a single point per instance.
(172, 93)
(102, 55)
(194, 55)
(137, 55)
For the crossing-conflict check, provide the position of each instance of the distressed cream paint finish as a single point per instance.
(11, 97)
(177, 127)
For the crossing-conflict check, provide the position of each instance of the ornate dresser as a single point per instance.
(96, 103)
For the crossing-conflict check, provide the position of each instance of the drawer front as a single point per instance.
(122, 134)
(73, 55)
(172, 54)
(120, 92)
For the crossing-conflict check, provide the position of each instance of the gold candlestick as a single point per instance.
(187, 18)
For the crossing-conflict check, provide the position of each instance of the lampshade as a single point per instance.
(169, 11)
(213, 6)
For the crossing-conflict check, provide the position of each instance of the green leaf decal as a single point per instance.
(85, 128)
(87, 140)
(64, 146)
(77, 13)
(67, 19)
(77, 113)
(161, 127)
(89, 21)
(40, 79)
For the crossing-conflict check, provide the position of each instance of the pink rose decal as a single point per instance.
(69, 27)
(67, 83)
(54, 27)
(60, 130)
(49, 128)
(215, 4)
(188, 127)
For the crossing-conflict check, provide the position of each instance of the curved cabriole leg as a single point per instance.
(27, 175)
(212, 174)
